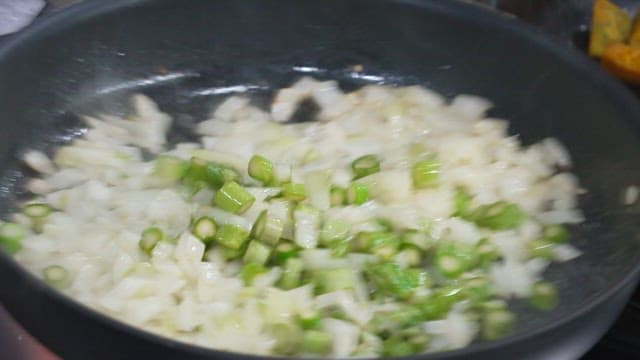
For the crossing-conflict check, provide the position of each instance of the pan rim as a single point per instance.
(616, 93)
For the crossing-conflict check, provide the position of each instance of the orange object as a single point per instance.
(623, 61)
(610, 24)
(634, 37)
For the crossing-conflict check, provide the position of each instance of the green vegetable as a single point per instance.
(285, 251)
(383, 244)
(334, 279)
(311, 321)
(555, 234)
(292, 274)
(452, 259)
(487, 252)
(478, 288)
(37, 210)
(250, 271)
(231, 236)
(541, 248)
(150, 238)
(411, 256)
(497, 324)
(294, 192)
(261, 169)
(438, 304)
(233, 198)
(425, 173)
(232, 254)
(287, 337)
(417, 239)
(391, 321)
(389, 278)
(316, 342)
(11, 236)
(257, 252)
(500, 215)
(202, 174)
(170, 168)
(357, 194)
(56, 276)
(462, 202)
(365, 165)
(397, 346)
(267, 228)
(338, 196)
(544, 296)
(334, 230)
(204, 228)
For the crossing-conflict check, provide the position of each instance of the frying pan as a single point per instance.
(188, 54)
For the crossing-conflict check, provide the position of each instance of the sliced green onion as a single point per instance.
(37, 210)
(334, 279)
(425, 173)
(231, 236)
(357, 193)
(257, 252)
(390, 321)
(250, 271)
(292, 273)
(500, 215)
(340, 248)
(487, 252)
(56, 276)
(310, 321)
(285, 251)
(261, 169)
(544, 296)
(418, 239)
(149, 238)
(11, 236)
(267, 228)
(541, 248)
(381, 243)
(233, 198)
(410, 256)
(397, 346)
(206, 174)
(316, 342)
(391, 279)
(452, 259)
(555, 234)
(478, 289)
(294, 192)
(462, 201)
(438, 304)
(365, 165)
(497, 324)
(287, 337)
(204, 228)
(232, 254)
(338, 195)
(170, 168)
(334, 230)
(385, 224)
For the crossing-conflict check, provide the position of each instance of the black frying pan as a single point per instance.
(182, 53)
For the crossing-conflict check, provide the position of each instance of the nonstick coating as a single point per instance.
(188, 54)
